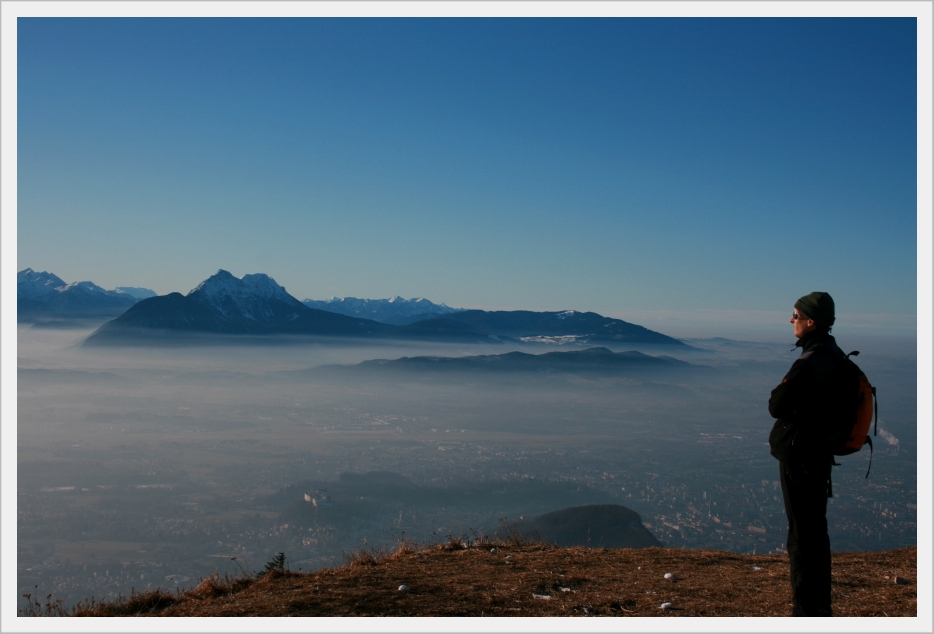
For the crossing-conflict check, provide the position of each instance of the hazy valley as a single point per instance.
(148, 467)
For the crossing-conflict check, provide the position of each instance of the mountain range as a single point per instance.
(395, 310)
(44, 294)
(252, 305)
(256, 305)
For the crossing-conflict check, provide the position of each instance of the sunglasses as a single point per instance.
(796, 316)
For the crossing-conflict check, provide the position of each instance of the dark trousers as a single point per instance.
(805, 489)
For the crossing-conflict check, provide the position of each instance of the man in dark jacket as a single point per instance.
(805, 405)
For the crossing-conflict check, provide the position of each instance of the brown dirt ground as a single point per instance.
(450, 580)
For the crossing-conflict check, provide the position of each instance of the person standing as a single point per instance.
(804, 406)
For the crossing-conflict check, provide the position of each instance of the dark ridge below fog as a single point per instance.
(596, 359)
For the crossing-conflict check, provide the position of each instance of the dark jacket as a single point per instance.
(807, 401)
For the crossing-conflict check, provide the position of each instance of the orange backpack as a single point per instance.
(858, 410)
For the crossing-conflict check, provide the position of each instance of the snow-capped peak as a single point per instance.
(87, 286)
(45, 286)
(380, 309)
(33, 285)
(223, 283)
(135, 292)
(244, 293)
(264, 286)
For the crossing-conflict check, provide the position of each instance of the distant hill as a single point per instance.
(593, 526)
(569, 326)
(560, 327)
(395, 310)
(45, 295)
(591, 360)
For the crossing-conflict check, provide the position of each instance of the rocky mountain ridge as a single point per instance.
(43, 294)
(395, 310)
(257, 305)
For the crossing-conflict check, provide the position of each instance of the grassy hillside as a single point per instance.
(516, 578)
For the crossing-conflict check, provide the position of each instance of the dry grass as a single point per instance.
(143, 604)
(479, 578)
(35, 606)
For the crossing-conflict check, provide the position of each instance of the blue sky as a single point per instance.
(708, 168)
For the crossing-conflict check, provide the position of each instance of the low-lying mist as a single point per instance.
(151, 466)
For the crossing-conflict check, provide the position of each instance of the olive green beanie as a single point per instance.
(819, 307)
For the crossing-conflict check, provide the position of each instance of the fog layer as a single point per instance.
(142, 467)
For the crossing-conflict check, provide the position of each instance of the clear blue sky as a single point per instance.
(613, 165)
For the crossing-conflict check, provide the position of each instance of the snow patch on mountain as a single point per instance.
(255, 296)
(556, 340)
(136, 292)
(45, 286)
(44, 294)
(380, 309)
(90, 287)
(38, 286)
